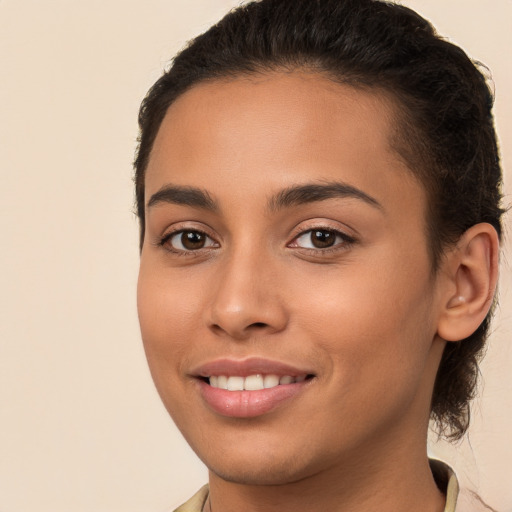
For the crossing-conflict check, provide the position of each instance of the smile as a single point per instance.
(252, 382)
(250, 387)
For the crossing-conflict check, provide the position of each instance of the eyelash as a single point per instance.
(346, 240)
(345, 243)
(164, 242)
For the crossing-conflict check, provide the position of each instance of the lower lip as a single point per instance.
(249, 404)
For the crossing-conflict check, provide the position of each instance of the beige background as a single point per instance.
(82, 428)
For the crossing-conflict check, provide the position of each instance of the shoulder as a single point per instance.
(196, 503)
(457, 499)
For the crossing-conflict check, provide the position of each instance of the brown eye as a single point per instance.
(190, 241)
(322, 239)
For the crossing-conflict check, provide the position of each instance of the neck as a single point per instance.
(399, 480)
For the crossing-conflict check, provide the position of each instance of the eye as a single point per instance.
(321, 239)
(188, 240)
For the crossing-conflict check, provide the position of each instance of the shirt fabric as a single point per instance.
(443, 474)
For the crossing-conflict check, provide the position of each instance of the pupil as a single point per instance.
(192, 240)
(322, 239)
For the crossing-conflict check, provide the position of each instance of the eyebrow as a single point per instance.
(291, 196)
(188, 196)
(313, 192)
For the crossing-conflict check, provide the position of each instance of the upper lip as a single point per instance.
(246, 367)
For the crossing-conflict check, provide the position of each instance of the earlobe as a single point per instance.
(471, 272)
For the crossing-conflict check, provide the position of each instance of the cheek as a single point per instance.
(373, 321)
(167, 316)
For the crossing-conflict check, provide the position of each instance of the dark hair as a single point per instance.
(444, 133)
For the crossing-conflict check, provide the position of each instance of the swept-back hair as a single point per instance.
(444, 127)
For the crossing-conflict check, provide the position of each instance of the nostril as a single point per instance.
(258, 325)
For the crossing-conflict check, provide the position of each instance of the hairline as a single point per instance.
(400, 143)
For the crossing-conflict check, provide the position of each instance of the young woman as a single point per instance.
(318, 187)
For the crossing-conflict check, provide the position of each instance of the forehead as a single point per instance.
(268, 130)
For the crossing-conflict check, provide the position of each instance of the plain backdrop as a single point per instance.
(82, 428)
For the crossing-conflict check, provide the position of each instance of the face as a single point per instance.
(286, 300)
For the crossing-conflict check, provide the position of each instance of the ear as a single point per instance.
(470, 273)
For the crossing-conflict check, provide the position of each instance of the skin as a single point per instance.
(363, 315)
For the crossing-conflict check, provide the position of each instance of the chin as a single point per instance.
(267, 466)
(252, 474)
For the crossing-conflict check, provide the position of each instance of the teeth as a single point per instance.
(252, 382)
(270, 381)
(235, 383)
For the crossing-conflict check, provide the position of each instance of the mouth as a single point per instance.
(251, 387)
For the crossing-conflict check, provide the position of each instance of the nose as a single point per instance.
(246, 299)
